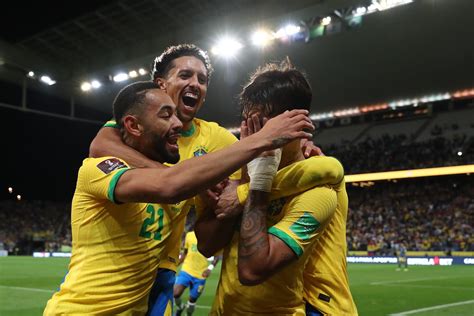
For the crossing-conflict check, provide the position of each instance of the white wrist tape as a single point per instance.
(210, 267)
(262, 170)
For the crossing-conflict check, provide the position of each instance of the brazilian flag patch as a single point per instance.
(305, 226)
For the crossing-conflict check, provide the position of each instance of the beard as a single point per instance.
(161, 153)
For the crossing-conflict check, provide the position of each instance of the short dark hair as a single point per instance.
(164, 63)
(130, 99)
(275, 88)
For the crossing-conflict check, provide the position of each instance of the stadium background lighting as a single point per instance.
(96, 84)
(86, 86)
(326, 21)
(120, 77)
(10, 190)
(414, 173)
(133, 74)
(459, 153)
(142, 71)
(31, 74)
(47, 80)
(18, 197)
(261, 38)
(226, 47)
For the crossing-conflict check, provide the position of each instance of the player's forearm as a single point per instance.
(108, 142)
(254, 246)
(213, 234)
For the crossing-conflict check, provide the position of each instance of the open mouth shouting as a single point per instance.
(190, 99)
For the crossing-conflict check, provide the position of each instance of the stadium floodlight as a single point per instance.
(360, 11)
(133, 74)
(226, 47)
(47, 80)
(288, 30)
(86, 86)
(31, 74)
(142, 71)
(18, 197)
(459, 153)
(96, 84)
(261, 38)
(326, 21)
(120, 77)
(10, 190)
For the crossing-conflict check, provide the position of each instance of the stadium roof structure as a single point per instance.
(411, 50)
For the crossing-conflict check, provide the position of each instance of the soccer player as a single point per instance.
(122, 217)
(402, 256)
(269, 247)
(194, 272)
(184, 72)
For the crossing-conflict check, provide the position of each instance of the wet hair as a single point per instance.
(164, 63)
(275, 88)
(131, 99)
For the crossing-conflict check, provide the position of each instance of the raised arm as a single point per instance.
(184, 180)
(108, 142)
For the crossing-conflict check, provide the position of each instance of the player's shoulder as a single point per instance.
(103, 165)
(210, 126)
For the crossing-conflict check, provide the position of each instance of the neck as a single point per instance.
(187, 126)
(291, 153)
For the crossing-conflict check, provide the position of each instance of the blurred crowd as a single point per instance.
(430, 214)
(398, 152)
(27, 226)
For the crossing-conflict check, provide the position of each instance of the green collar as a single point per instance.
(189, 132)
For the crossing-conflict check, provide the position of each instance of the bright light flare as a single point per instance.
(142, 71)
(10, 190)
(326, 21)
(96, 84)
(18, 197)
(262, 38)
(120, 77)
(133, 74)
(86, 86)
(226, 47)
(47, 80)
(31, 74)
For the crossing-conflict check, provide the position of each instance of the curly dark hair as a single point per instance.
(275, 88)
(164, 63)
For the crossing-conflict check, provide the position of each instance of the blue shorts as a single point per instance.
(196, 285)
(312, 311)
(160, 301)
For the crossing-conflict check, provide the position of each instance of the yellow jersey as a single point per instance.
(203, 137)
(298, 221)
(116, 248)
(326, 283)
(195, 263)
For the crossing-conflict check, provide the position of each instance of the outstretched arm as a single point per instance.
(184, 180)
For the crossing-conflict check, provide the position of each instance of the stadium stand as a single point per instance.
(429, 214)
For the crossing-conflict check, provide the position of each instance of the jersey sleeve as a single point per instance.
(305, 218)
(99, 176)
(111, 123)
(301, 176)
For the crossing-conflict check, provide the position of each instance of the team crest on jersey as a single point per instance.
(109, 165)
(200, 151)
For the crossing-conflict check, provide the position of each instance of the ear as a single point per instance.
(132, 125)
(161, 83)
